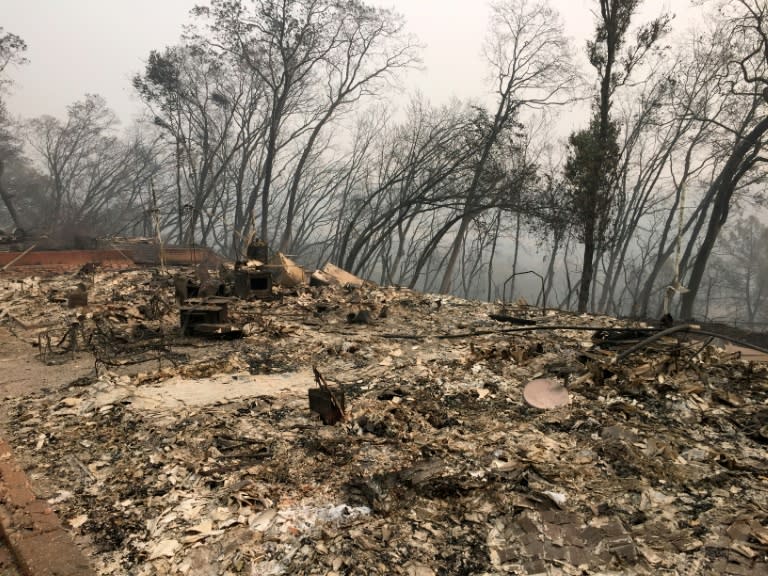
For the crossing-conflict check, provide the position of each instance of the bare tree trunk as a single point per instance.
(265, 189)
(179, 201)
(549, 276)
(8, 200)
(587, 272)
(741, 161)
(514, 257)
(456, 247)
(566, 303)
(492, 256)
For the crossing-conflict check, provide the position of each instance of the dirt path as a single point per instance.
(22, 374)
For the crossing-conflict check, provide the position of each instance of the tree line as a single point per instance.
(286, 122)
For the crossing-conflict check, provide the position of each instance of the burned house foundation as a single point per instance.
(430, 439)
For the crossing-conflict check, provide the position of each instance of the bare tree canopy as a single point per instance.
(12, 48)
(531, 65)
(314, 58)
(286, 125)
(94, 176)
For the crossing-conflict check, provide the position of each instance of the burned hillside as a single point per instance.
(470, 439)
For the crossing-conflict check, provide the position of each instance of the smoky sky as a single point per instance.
(96, 46)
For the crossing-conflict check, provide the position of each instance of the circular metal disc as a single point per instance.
(545, 393)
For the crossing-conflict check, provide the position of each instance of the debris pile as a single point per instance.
(453, 442)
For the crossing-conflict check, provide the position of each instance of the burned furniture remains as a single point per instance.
(208, 318)
(253, 284)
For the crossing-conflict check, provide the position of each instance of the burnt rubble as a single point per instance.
(190, 455)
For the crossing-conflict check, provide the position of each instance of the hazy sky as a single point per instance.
(96, 46)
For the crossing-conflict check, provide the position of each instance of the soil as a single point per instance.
(7, 565)
(23, 374)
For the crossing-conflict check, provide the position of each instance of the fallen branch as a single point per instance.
(651, 339)
(659, 333)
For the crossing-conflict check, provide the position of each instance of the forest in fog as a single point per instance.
(287, 121)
